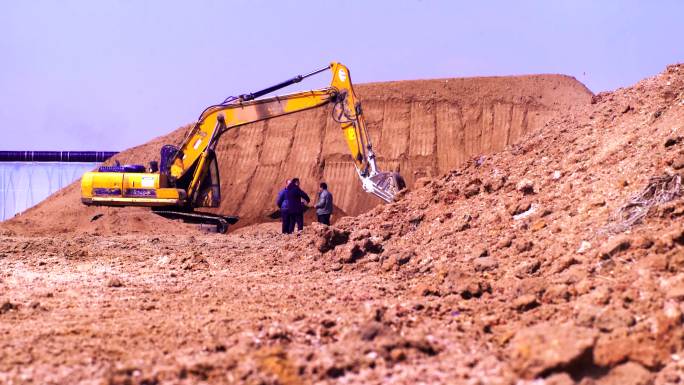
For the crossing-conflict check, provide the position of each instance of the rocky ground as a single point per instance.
(515, 268)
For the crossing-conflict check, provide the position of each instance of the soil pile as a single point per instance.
(532, 252)
(420, 128)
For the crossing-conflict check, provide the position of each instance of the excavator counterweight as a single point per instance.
(187, 178)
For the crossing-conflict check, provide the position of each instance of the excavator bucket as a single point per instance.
(384, 185)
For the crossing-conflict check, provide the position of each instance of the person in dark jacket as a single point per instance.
(282, 204)
(294, 196)
(324, 204)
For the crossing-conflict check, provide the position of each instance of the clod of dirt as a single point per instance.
(471, 191)
(494, 184)
(673, 237)
(465, 285)
(525, 302)
(527, 268)
(517, 208)
(196, 261)
(672, 140)
(558, 293)
(673, 372)
(427, 288)
(463, 223)
(8, 306)
(350, 252)
(479, 251)
(547, 347)
(277, 366)
(614, 246)
(485, 264)
(372, 245)
(397, 256)
(329, 237)
(523, 246)
(525, 186)
(614, 318)
(678, 162)
(676, 292)
(114, 282)
(612, 349)
(505, 242)
(629, 373)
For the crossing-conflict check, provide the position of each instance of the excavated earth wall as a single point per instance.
(421, 128)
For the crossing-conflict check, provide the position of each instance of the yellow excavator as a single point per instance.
(187, 178)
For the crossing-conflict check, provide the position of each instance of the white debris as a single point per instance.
(583, 247)
(527, 213)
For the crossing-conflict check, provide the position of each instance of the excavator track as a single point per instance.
(221, 222)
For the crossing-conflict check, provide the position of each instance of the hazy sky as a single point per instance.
(107, 75)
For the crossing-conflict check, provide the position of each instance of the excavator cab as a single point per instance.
(166, 155)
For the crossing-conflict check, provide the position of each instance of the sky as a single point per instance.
(110, 74)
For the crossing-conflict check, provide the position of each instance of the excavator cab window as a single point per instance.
(209, 191)
(168, 153)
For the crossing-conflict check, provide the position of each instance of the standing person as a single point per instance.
(282, 204)
(324, 204)
(294, 196)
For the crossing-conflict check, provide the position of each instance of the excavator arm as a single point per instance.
(215, 120)
(348, 112)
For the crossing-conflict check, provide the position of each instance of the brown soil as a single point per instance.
(503, 270)
(421, 128)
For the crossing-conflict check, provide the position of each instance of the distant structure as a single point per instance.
(28, 177)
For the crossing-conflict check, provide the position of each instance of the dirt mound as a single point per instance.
(521, 251)
(421, 128)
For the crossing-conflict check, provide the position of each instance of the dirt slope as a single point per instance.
(420, 128)
(523, 252)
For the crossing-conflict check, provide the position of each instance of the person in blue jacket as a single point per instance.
(295, 209)
(281, 202)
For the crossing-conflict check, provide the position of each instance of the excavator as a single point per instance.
(187, 177)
